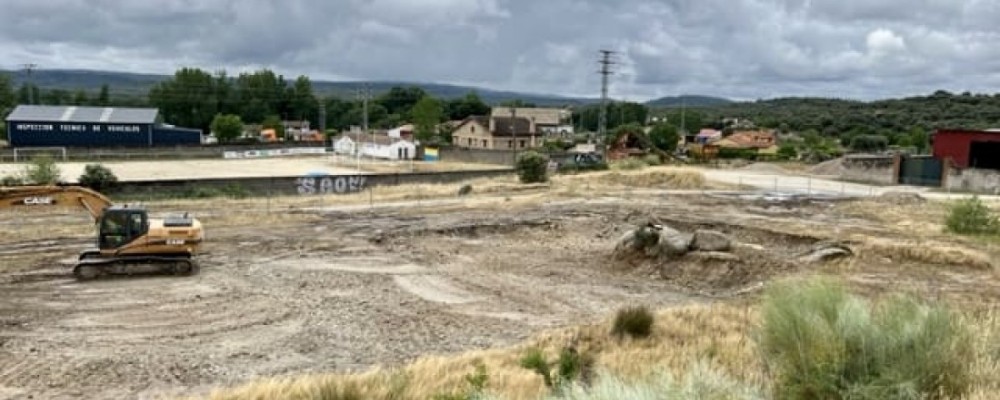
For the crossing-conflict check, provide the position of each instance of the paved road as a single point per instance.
(796, 183)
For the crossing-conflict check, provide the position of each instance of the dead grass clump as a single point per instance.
(930, 253)
(658, 177)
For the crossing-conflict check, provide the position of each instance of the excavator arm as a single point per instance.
(55, 196)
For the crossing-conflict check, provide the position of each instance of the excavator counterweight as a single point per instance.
(128, 240)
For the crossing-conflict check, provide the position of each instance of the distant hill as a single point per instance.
(689, 101)
(133, 84)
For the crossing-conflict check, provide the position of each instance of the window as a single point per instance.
(522, 144)
(472, 128)
(510, 144)
(484, 143)
(469, 140)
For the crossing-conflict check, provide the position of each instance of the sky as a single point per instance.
(739, 49)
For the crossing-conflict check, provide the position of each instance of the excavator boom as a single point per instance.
(42, 196)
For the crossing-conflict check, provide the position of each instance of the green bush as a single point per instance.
(42, 171)
(636, 322)
(11, 181)
(571, 366)
(98, 177)
(532, 167)
(971, 217)
(787, 152)
(652, 160)
(234, 191)
(820, 342)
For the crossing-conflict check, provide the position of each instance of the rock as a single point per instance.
(707, 240)
(673, 242)
(465, 190)
(825, 252)
(717, 256)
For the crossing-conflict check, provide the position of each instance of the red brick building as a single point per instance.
(968, 148)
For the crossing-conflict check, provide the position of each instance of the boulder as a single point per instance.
(707, 240)
(673, 242)
(825, 251)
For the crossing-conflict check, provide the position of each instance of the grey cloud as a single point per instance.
(735, 48)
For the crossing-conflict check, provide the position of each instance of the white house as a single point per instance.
(375, 146)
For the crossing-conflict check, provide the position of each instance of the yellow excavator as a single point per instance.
(128, 241)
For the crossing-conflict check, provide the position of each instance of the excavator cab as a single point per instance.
(120, 226)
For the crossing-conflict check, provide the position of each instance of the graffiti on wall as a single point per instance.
(309, 185)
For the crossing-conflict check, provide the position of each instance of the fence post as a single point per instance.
(809, 185)
(270, 182)
(775, 183)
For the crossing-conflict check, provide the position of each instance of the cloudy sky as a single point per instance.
(743, 49)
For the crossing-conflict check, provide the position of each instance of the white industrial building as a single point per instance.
(375, 146)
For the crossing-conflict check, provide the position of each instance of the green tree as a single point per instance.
(664, 137)
(104, 96)
(227, 127)
(467, 106)
(80, 98)
(400, 100)
(274, 122)
(870, 143)
(302, 101)
(8, 99)
(426, 116)
(261, 94)
(187, 99)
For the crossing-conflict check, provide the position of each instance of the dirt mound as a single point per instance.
(834, 167)
(901, 198)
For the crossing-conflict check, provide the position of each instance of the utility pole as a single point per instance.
(602, 122)
(322, 120)
(363, 94)
(31, 83)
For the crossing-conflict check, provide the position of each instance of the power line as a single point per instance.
(602, 122)
(32, 93)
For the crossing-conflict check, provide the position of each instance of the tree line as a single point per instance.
(193, 97)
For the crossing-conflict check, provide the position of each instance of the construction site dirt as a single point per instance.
(323, 289)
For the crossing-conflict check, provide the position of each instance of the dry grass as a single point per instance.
(717, 333)
(934, 253)
(650, 177)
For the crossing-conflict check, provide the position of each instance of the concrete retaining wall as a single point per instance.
(984, 181)
(153, 153)
(299, 185)
(883, 170)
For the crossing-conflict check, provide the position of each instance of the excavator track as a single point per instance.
(90, 268)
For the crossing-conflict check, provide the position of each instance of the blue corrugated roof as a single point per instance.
(109, 115)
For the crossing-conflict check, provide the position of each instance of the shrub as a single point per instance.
(652, 160)
(477, 386)
(636, 322)
(820, 342)
(11, 181)
(98, 177)
(42, 171)
(234, 191)
(570, 367)
(972, 217)
(465, 190)
(532, 167)
(787, 152)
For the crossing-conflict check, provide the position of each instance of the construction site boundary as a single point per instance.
(295, 185)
